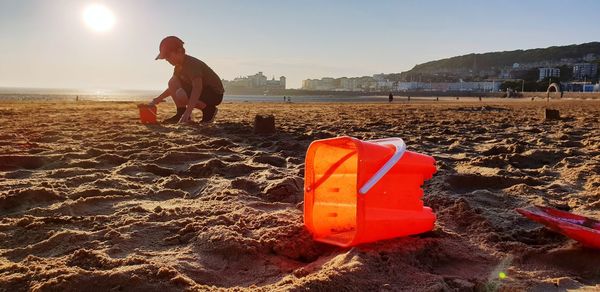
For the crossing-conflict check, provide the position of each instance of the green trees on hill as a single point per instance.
(566, 73)
(497, 60)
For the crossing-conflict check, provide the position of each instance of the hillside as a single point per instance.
(498, 60)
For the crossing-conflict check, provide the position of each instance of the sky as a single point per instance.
(47, 44)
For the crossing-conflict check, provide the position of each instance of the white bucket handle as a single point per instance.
(400, 146)
(147, 106)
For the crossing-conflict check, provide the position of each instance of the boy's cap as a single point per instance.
(167, 45)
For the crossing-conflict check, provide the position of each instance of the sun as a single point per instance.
(98, 17)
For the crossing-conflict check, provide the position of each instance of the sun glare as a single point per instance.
(98, 17)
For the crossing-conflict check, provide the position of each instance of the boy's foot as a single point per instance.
(208, 114)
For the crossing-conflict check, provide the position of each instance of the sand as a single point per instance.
(92, 200)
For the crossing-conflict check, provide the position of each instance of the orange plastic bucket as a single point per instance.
(147, 114)
(363, 191)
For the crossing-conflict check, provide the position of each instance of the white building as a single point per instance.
(349, 84)
(548, 72)
(382, 83)
(276, 84)
(408, 86)
(484, 86)
(326, 83)
(309, 84)
(585, 70)
(256, 81)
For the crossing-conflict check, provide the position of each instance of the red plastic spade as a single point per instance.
(582, 229)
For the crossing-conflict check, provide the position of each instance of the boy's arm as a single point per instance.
(196, 91)
(193, 99)
(160, 98)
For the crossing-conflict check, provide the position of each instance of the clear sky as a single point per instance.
(47, 44)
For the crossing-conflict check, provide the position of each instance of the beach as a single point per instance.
(91, 199)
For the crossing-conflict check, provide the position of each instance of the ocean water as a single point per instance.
(146, 97)
(33, 94)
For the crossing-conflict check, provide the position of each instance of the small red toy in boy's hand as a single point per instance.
(582, 229)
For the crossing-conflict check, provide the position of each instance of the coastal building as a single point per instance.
(257, 81)
(410, 86)
(276, 84)
(340, 84)
(349, 84)
(483, 86)
(326, 83)
(546, 72)
(309, 84)
(382, 83)
(366, 83)
(440, 86)
(583, 71)
(589, 87)
(505, 74)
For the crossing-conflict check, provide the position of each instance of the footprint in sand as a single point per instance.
(464, 183)
(13, 162)
(245, 184)
(536, 158)
(271, 160)
(190, 185)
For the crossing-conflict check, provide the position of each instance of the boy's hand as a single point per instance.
(186, 117)
(153, 102)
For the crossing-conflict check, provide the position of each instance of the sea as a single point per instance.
(20, 94)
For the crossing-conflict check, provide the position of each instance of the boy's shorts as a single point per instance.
(208, 96)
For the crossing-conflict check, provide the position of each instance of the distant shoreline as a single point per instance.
(41, 93)
(53, 98)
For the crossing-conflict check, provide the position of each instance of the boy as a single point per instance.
(193, 85)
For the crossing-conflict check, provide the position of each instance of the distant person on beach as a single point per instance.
(193, 84)
(391, 97)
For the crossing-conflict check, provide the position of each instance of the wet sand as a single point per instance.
(90, 199)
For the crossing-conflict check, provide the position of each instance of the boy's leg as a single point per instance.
(177, 92)
(207, 102)
(209, 113)
(211, 99)
(180, 94)
(180, 98)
